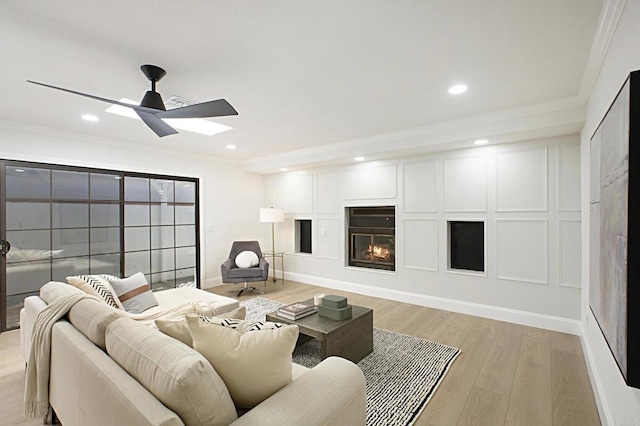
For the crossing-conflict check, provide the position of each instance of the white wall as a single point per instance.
(230, 199)
(619, 403)
(528, 193)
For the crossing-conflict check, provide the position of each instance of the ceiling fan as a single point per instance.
(152, 110)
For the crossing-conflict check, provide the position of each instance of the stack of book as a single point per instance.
(296, 311)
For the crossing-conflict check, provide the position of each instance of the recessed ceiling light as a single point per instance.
(481, 142)
(284, 169)
(89, 117)
(231, 146)
(359, 158)
(457, 89)
(196, 125)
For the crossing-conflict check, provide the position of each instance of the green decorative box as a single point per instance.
(335, 302)
(338, 314)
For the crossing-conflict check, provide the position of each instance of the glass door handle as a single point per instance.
(5, 246)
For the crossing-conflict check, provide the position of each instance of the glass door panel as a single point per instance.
(64, 221)
(27, 229)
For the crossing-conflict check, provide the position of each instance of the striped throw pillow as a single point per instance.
(134, 293)
(96, 285)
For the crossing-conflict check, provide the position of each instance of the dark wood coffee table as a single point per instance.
(351, 338)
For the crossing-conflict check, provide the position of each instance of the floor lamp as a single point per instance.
(272, 215)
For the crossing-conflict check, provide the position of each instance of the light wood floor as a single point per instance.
(506, 374)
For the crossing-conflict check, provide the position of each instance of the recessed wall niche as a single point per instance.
(466, 245)
(303, 236)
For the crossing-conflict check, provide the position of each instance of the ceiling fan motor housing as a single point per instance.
(153, 100)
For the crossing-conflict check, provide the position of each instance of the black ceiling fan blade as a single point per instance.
(156, 124)
(217, 108)
(97, 98)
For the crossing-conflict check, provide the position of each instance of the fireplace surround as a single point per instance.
(372, 237)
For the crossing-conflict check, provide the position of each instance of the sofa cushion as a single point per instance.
(253, 364)
(178, 329)
(53, 290)
(91, 318)
(178, 376)
(134, 293)
(97, 285)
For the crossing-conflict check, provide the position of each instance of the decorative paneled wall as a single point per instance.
(420, 194)
(421, 244)
(328, 237)
(465, 184)
(328, 194)
(521, 180)
(522, 250)
(527, 195)
(367, 183)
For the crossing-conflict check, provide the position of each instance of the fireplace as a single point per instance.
(372, 237)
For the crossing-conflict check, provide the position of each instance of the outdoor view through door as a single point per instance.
(62, 221)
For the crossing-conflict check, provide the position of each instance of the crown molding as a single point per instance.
(605, 30)
(562, 117)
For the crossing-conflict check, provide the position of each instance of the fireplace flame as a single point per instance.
(381, 253)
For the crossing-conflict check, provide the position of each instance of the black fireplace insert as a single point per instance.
(372, 237)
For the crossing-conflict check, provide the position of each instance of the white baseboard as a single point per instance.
(530, 319)
(596, 383)
(211, 282)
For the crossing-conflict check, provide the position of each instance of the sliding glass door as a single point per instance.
(58, 221)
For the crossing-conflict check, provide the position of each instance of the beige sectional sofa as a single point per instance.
(108, 369)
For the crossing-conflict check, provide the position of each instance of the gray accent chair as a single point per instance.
(232, 274)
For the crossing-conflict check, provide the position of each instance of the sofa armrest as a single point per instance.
(331, 393)
(32, 307)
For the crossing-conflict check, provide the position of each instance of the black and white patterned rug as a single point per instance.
(402, 372)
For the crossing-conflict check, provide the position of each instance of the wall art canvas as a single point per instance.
(613, 288)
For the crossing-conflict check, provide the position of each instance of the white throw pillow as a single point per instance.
(247, 259)
(253, 364)
(134, 293)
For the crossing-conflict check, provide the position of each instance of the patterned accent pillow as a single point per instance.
(177, 328)
(226, 322)
(134, 293)
(96, 285)
(240, 325)
(259, 325)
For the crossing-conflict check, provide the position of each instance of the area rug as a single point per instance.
(402, 372)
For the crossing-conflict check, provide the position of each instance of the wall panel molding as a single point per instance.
(328, 237)
(522, 250)
(521, 180)
(369, 183)
(421, 244)
(568, 178)
(328, 192)
(569, 265)
(465, 184)
(420, 188)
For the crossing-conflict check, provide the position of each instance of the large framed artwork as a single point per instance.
(614, 288)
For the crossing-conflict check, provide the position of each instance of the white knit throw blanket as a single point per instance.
(36, 393)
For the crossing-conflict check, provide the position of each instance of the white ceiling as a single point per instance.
(311, 80)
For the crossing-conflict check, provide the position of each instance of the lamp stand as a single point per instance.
(273, 252)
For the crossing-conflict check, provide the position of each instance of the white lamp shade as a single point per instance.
(271, 215)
